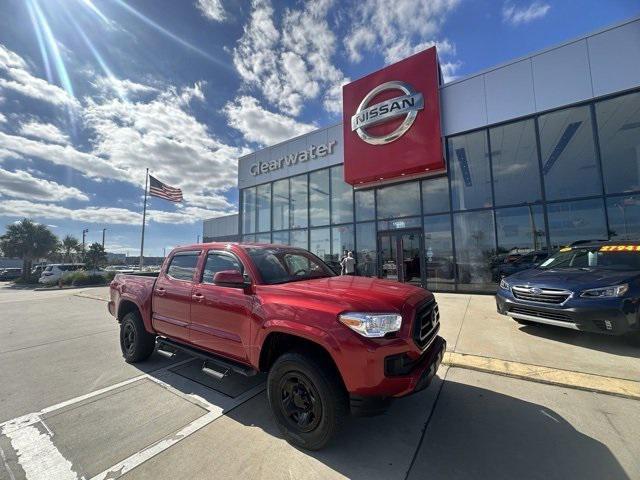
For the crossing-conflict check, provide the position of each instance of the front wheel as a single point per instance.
(307, 400)
(135, 342)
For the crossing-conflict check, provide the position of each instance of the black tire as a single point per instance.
(136, 343)
(307, 400)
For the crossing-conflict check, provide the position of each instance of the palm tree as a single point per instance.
(29, 241)
(70, 244)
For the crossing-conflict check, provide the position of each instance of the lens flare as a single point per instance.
(41, 44)
(90, 5)
(169, 34)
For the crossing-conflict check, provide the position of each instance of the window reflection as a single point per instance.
(263, 238)
(624, 217)
(469, 171)
(321, 243)
(249, 210)
(263, 200)
(341, 197)
(365, 205)
(568, 154)
(299, 239)
(438, 252)
(299, 201)
(475, 249)
(400, 200)
(281, 238)
(619, 134)
(319, 197)
(366, 258)
(281, 204)
(342, 240)
(572, 221)
(435, 195)
(514, 156)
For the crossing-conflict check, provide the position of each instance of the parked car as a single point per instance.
(55, 271)
(10, 274)
(516, 263)
(589, 286)
(37, 270)
(330, 344)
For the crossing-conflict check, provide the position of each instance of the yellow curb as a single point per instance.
(550, 376)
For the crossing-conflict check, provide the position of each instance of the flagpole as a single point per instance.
(144, 218)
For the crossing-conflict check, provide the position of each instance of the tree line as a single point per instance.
(31, 241)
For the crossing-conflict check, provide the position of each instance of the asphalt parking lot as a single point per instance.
(70, 407)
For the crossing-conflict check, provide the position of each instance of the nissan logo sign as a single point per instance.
(406, 105)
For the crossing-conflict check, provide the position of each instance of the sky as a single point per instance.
(94, 92)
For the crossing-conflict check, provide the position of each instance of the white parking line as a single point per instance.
(39, 457)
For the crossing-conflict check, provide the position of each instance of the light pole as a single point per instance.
(84, 234)
(103, 230)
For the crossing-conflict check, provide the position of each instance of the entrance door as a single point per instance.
(401, 256)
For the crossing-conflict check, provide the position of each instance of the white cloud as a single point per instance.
(44, 131)
(103, 215)
(515, 15)
(15, 76)
(212, 9)
(122, 87)
(21, 184)
(66, 155)
(397, 29)
(291, 66)
(449, 70)
(3, 119)
(262, 126)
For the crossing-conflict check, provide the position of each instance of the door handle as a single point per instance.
(198, 297)
(160, 291)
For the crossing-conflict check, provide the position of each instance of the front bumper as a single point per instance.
(612, 316)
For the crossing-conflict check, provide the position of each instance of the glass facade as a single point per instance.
(514, 189)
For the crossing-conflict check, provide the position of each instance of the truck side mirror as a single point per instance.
(229, 278)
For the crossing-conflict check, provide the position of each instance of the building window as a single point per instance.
(281, 238)
(341, 241)
(299, 239)
(248, 239)
(568, 153)
(435, 195)
(263, 201)
(341, 197)
(624, 217)
(401, 200)
(366, 254)
(249, 210)
(572, 221)
(469, 171)
(299, 202)
(514, 159)
(281, 204)
(321, 243)
(263, 237)
(619, 135)
(319, 198)
(438, 252)
(399, 224)
(475, 245)
(521, 229)
(365, 205)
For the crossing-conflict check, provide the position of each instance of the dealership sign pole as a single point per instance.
(144, 217)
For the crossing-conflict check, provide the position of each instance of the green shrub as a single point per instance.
(31, 280)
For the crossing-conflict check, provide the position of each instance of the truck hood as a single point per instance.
(571, 278)
(358, 293)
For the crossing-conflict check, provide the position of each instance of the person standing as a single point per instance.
(344, 255)
(348, 264)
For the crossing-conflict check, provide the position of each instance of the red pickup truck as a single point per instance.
(330, 344)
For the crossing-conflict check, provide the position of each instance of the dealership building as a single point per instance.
(439, 184)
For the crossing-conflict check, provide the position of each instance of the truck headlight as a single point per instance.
(503, 284)
(613, 291)
(372, 325)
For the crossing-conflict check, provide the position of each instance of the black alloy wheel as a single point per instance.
(300, 402)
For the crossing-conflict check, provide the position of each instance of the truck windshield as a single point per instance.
(594, 258)
(282, 265)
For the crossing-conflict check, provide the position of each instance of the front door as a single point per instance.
(400, 254)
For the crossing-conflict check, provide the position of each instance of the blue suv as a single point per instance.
(588, 286)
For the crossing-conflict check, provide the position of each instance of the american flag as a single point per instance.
(159, 189)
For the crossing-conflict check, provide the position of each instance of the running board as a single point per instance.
(214, 366)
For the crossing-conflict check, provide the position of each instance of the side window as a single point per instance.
(218, 262)
(182, 267)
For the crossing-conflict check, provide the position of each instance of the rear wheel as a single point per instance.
(135, 342)
(307, 400)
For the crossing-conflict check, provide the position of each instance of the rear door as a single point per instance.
(220, 315)
(171, 300)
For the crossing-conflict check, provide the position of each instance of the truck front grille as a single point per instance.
(541, 295)
(426, 324)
